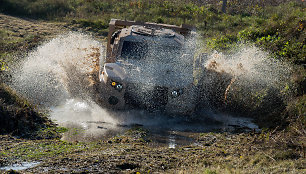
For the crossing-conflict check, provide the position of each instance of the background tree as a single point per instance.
(224, 6)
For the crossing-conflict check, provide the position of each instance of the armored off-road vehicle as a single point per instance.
(148, 65)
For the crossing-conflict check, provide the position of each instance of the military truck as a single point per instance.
(148, 65)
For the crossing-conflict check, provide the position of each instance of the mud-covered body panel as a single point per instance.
(145, 67)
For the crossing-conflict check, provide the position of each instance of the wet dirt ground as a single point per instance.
(141, 150)
(138, 141)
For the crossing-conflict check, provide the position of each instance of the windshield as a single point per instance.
(153, 51)
(157, 63)
(134, 50)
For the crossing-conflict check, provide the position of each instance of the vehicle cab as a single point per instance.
(147, 66)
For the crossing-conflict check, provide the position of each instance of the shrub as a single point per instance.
(37, 8)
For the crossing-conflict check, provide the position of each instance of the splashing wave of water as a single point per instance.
(58, 69)
(57, 75)
(251, 64)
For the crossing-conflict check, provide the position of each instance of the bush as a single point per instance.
(45, 9)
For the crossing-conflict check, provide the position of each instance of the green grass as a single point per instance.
(38, 9)
(50, 132)
(278, 27)
(11, 44)
(42, 149)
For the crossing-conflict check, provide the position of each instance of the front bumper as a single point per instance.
(152, 98)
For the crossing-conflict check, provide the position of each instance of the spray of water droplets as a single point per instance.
(252, 64)
(250, 79)
(57, 75)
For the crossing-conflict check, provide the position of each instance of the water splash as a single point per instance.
(58, 75)
(248, 81)
(58, 69)
(252, 64)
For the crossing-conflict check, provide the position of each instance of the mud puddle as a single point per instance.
(20, 166)
(86, 121)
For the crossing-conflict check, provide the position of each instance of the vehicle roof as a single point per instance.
(142, 33)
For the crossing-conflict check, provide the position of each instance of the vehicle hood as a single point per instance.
(115, 72)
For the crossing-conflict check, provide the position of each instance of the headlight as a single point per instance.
(116, 85)
(119, 87)
(176, 92)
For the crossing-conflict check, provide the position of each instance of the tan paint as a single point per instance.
(183, 104)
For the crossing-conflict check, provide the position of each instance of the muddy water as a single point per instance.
(90, 123)
(57, 76)
(20, 166)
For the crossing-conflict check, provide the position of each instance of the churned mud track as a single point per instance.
(221, 152)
